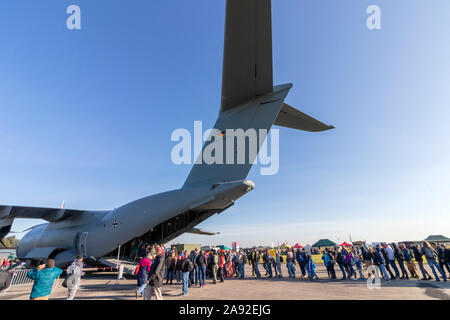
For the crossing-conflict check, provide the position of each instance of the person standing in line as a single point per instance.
(221, 265)
(332, 254)
(214, 262)
(385, 253)
(170, 266)
(430, 254)
(201, 262)
(408, 260)
(235, 263)
(340, 258)
(418, 257)
(229, 262)
(312, 267)
(156, 277)
(249, 257)
(192, 272)
(257, 258)
(378, 260)
(391, 261)
(440, 249)
(350, 264)
(326, 262)
(44, 276)
(358, 263)
(264, 258)
(241, 260)
(289, 264)
(252, 259)
(299, 258)
(447, 257)
(267, 263)
(274, 264)
(186, 268)
(400, 260)
(278, 260)
(302, 262)
(367, 257)
(178, 272)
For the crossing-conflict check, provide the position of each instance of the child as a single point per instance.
(312, 267)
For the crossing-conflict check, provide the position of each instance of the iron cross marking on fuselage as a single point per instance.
(115, 224)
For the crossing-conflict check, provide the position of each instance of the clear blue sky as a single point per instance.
(86, 116)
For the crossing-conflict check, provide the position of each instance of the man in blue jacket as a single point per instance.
(44, 276)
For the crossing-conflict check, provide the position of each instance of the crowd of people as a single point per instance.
(391, 261)
(386, 257)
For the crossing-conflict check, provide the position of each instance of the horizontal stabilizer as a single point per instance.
(290, 117)
(202, 232)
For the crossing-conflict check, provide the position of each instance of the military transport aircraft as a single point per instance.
(249, 100)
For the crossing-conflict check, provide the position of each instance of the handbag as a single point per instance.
(136, 271)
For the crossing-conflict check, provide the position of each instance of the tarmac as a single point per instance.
(105, 286)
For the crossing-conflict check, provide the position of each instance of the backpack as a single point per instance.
(213, 259)
(188, 266)
(71, 280)
(244, 259)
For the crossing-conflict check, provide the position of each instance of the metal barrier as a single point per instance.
(20, 278)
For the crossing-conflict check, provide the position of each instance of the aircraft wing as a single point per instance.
(247, 59)
(9, 213)
(202, 232)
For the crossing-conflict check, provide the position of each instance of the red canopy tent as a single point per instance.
(298, 245)
(345, 244)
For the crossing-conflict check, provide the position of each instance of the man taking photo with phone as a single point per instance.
(44, 276)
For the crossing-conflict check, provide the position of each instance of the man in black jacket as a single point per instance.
(340, 261)
(200, 261)
(447, 258)
(156, 277)
(418, 257)
(400, 260)
(440, 249)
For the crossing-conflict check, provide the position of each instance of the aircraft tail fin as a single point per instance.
(233, 164)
